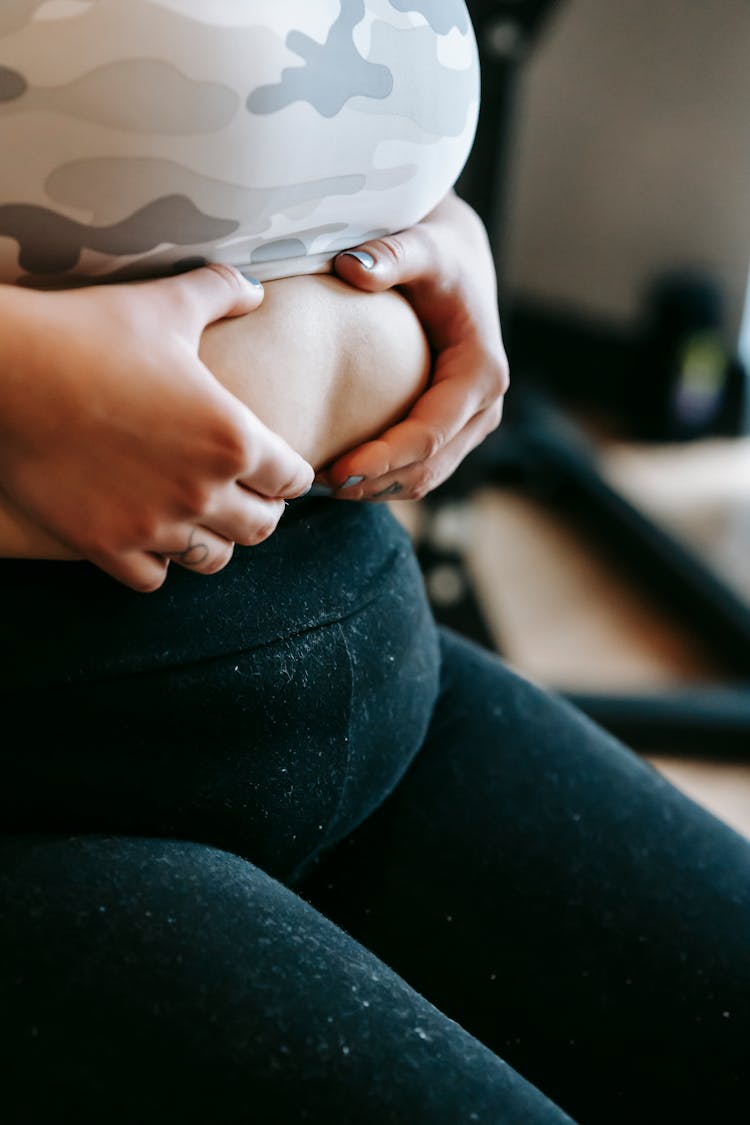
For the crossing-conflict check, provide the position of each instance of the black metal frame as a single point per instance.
(538, 444)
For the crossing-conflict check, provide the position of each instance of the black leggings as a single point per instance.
(343, 868)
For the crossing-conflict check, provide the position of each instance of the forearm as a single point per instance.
(320, 363)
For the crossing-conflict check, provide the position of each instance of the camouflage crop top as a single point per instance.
(139, 136)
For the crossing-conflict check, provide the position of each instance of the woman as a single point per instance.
(211, 777)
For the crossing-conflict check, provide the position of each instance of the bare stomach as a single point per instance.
(322, 364)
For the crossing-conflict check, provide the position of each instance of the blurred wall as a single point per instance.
(632, 153)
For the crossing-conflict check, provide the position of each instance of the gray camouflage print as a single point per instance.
(333, 72)
(441, 15)
(138, 135)
(12, 85)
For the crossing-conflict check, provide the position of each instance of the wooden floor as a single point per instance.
(562, 617)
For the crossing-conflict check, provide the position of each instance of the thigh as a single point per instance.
(161, 980)
(549, 890)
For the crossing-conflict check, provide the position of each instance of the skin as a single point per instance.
(117, 441)
(351, 365)
(444, 267)
(103, 392)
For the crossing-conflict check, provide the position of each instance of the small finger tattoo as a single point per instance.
(195, 554)
(391, 490)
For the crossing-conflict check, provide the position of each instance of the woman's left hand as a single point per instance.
(444, 268)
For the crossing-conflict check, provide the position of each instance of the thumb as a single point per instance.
(212, 292)
(381, 263)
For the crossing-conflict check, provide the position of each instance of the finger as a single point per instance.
(244, 517)
(381, 263)
(441, 413)
(205, 295)
(196, 548)
(414, 482)
(455, 453)
(272, 469)
(140, 570)
(247, 450)
(203, 549)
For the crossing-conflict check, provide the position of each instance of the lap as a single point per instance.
(531, 878)
(156, 979)
(552, 892)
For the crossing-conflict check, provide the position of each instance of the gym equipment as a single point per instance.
(538, 449)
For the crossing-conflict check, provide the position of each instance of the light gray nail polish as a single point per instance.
(362, 257)
(350, 482)
(253, 280)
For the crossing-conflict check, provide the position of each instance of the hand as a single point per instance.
(117, 440)
(444, 268)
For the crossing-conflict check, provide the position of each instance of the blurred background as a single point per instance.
(600, 541)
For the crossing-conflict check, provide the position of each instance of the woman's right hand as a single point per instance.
(119, 442)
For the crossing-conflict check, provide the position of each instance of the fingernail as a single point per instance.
(319, 490)
(362, 257)
(391, 490)
(350, 482)
(253, 280)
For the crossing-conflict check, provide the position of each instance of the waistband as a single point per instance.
(65, 622)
